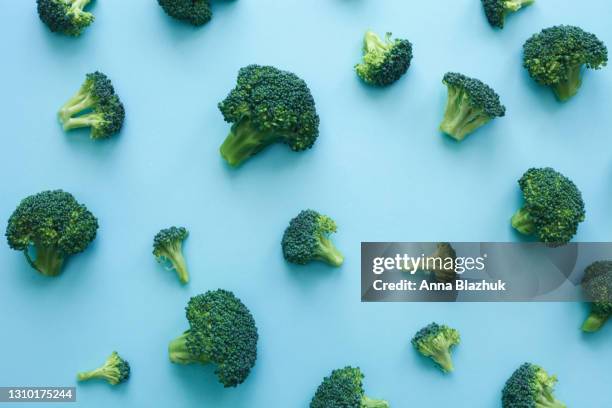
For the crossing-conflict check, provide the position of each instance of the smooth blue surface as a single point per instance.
(380, 168)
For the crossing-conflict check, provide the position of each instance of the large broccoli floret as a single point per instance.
(384, 61)
(344, 389)
(497, 10)
(115, 370)
(553, 206)
(195, 12)
(306, 239)
(168, 247)
(268, 106)
(470, 105)
(555, 56)
(95, 105)
(530, 387)
(435, 341)
(222, 332)
(55, 224)
(597, 286)
(65, 16)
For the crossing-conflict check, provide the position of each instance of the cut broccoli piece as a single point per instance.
(195, 12)
(555, 56)
(268, 106)
(530, 387)
(115, 370)
(435, 341)
(65, 16)
(306, 239)
(222, 332)
(344, 389)
(55, 224)
(497, 10)
(553, 207)
(384, 61)
(168, 247)
(597, 286)
(441, 263)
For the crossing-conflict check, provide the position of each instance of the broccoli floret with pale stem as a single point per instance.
(435, 341)
(530, 386)
(65, 16)
(194, 12)
(384, 61)
(344, 389)
(115, 370)
(597, 286)
(441, 263)
(497, 10)
(168, 247)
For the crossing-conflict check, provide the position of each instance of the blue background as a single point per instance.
(380, 168)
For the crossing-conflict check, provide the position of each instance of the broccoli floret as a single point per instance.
(384, 61)
(195, 12)
(530, 386)
(597, 286)
(435, 341)
(222, 332)
(553, 207)
(497, 10)
(115, 370)
(344, 389)
(555, 56)
(55, 224)
(95, 105)
(306, 239)
(65, 16)
(441, 263)
(470, 105)
(168, 247)
(268, 106)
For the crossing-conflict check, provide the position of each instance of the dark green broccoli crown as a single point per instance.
(119, 368)
(195, 12)
(222, 330)
(550, 55)
(597, 285)
(530, 386)
(98, 86)
(384, 62)
(342, 389)
(481, 95)
(496, 10)
(64, 16)
(168, 237)
(112, 115)
(429, 333)
(273, 102)
(301, 239)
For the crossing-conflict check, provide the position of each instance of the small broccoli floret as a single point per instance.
(384, 61)
(597, 286)
(344, 389)
(55, 224)
(530, 386)
(115, 370)
(268, 106)
(306, 239)
(470, 105)
(441, 263)
(65, 16)
(497, 10)
(221, 331)
(168, 247)
(435, 341)
(553, 207)
(195, 12)
(96, 106)
(555, 56)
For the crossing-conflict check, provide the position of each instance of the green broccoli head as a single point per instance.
(384, 61)
(344, 389)
(306, 239)
(597, 287)
(268, 106)
(497, 10)
(115, 370)
(65, 16)
(195, 12)
(555, 56)
(470, 105)
(221, 331)
(55, 224)
(530, 386)
(168, 247)
(435, 341)
(95, 105)
(553, 207)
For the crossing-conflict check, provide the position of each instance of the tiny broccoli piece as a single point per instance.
(195, 12)
(96, 106)
(306, 239)
(168, 247)
(441, 263)
(470, 105)
(55, 224)
(222, 331)
(530, 386)
(384, 61)
(65, 16)
(344, 389)
(115, 370)
(555, 56)
(597, 286)
(268, 106)
(435, 341)
(497, 10)
(553, 206)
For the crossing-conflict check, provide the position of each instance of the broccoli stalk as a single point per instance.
(115, 370)
(568, 87)
(367, 402)
(49, 259)
(245, 141)
(435, 341)
(180, 351)
(168, 246)
(522, 222)
(594, 322)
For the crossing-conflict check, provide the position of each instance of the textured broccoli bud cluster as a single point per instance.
(384, 61)
(435, 341)
(195, 12)
(497, 10)
(168, 247)
(530, 386)
(597, 286)
(344, 389)
(115, 370)
(65, 16)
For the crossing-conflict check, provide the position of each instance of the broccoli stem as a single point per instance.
(327, 252)
(49, 260)
(516, 5)
(549, 401)
(367, 402)
(174, 254)
(373, 43)
(569, 87)
(522, 222)
(444, 360)
(594, 322)
(461, 118)
(243, 142)
(101, 372)
(78, 5)
(179, 353)
(82, 121)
